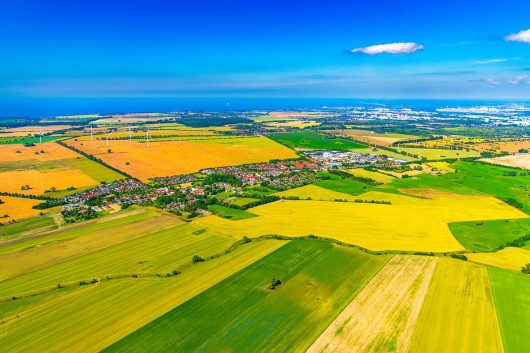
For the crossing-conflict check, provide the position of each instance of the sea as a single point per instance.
(11, 107)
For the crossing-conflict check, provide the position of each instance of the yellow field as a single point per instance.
(314, 192)
(39, 181)
(155, 134)
(436, 153)
(379, 177)
(494, 145)
(17, 152)
(458, 313)
(17, 208)
(299, 124)
(89, 319)
(409, 223)
(182, 157)
(443, 166)
(382, 316)
(516, 160)
(371, 137)
(508, 258)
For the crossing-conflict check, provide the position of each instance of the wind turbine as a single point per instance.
(40, 136)
(129, 128)
(91, 133)
(147, 137)
(107, 136)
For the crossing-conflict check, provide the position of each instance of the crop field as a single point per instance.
(78, 240)
(373, 138)
(15, 208)
(42, 152)
(437, 153)
(314, 192)
(493, 145)
(442, 166)
(511, 294)
(61, 170)
(314, 140)
(382, 317)
(379, 177)
(458, 314)
(298, 124)
(95, 316)
(509, 258)
(180, 157)
(160, 252)
(342, 185)
(31, 130)
(489, 235)
(242, 314)
(29, 226)
(408, 223)
(516, 160)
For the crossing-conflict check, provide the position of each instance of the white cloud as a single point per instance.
(523, 36)
(391, 48)
(492, 81)
(524, 79)
(490, 61)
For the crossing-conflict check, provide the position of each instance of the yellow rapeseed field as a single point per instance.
(409, 223)
(17, 208)
(42, 151)
(12, 181)
(314, 192)
(181, 157)
(379, 177)
(458, 313)
(508, 258)
(299, 124)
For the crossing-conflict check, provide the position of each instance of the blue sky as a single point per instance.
(450, 49)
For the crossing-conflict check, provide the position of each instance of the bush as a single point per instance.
(196, 259)
(275, 282)
(526, 269)
(459, 257)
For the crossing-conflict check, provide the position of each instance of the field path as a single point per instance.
(382, 317)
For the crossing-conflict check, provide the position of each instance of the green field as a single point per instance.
(511, 294)
(32, 225)
(314, 140)
(242, 314)
(231, 213)
(160, 252)
(489, 235)
(15, 140)
(92, 317)
(346, 186)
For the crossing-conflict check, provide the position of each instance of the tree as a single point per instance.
(526, 269)
(196, 259)
(275, 282)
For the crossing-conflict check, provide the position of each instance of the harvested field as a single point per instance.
(182, 157)
(515, 160)
(508, 258)
(382, 316)
(458, 314)
(16, 208)
(52, 151)
(298, 124)
(436, 153)
(39, 182)
(408, 223)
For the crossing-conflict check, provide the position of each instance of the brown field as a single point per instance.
(39, 181)
(383, 315)
(52, 151)
(516, 160)
(458, 314)
(372, 138)
(17, 208)
(182, 157)
(31, 130)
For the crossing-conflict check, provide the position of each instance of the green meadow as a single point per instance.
(314, 140)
